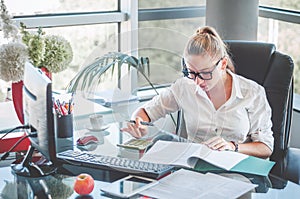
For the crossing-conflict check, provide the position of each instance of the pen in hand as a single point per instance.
(142, 122)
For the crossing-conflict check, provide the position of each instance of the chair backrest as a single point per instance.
(274, 71)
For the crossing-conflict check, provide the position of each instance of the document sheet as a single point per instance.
(187, 154)
(113, 97)
(189, 184)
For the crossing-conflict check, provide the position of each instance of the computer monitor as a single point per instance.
(38, 113)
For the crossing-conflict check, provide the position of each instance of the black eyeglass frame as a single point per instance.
(186, 73)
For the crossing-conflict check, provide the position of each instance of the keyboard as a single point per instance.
(135, 167)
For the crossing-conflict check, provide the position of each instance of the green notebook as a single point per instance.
(251, 165)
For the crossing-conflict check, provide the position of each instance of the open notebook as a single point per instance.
(190, 155)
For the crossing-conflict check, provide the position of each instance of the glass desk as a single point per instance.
(60, 185)
(108, 139)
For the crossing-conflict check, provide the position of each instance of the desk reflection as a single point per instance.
(108, 139)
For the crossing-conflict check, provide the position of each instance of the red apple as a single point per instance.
(84, 184)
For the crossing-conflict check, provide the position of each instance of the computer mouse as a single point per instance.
(87, 139)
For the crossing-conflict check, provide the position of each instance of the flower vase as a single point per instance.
(17, 97)
(47, 72)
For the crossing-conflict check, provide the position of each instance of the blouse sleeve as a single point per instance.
(162, 104)
(260, 119)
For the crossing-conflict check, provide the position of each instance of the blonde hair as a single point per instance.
(207, 41)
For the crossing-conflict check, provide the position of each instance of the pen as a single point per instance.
(57, 110)
(63, 110)
(69, 106)
(142, 122)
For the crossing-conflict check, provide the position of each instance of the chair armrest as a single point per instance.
(292, 171)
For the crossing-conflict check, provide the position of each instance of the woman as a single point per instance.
(223, 110)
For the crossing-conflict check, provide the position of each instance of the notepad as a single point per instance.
(190, 155)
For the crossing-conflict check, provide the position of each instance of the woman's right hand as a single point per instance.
(136, 129)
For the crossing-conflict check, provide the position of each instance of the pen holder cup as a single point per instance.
(64, 126)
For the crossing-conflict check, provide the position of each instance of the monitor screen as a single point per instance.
(38, 113)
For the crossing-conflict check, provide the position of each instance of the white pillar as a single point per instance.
(128, 43)
(233, 19)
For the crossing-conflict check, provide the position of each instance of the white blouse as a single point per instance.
(245, 117)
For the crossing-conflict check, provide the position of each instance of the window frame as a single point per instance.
(128, 15)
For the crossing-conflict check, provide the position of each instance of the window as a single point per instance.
(88, 42)
(161, 38)
(32, 7)
(286, 38)
(163, 42)
(88, 35)
(169, 3)
(282, 4)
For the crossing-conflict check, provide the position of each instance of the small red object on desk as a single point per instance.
(9, 140)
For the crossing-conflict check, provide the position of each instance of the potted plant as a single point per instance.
(51, 53)
(13, 53)
(93, 73)
(87, 79)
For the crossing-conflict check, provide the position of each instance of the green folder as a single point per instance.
(251, 165)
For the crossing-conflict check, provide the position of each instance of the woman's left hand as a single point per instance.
(218, 143)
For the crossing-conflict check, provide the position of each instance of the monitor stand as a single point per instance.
(27, 168)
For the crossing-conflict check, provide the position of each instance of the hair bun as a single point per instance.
(205, 30)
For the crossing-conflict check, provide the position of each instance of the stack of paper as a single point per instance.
(190, 184)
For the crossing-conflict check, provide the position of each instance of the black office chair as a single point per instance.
(292, 171)
(274, 71)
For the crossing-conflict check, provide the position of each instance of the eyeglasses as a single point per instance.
(206, 75)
